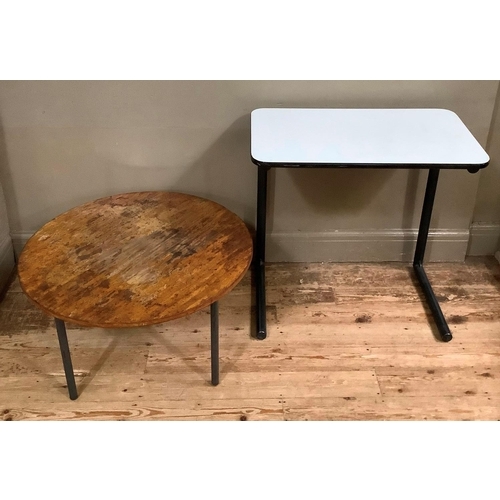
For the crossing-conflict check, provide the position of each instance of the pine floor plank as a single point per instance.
(229, 409)
(299, 356)
(42, 360)
(189, 386)
(394, 408)
(463, 381)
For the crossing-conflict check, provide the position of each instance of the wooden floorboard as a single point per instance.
(345, 342)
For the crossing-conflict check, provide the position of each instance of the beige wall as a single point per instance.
(63, 143)
(488, 196)
(485, 229)
(6, 251)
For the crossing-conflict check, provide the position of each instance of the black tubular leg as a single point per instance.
(214, 341)
(66, 358)
(260, 253)
(423, 231)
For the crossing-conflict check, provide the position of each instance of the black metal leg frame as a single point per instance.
(214, 342)
(68, 365)
(260, 252)
(423, 231)
(418, 266)
(66, 357)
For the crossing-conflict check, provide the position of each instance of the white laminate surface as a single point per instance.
(363, 136)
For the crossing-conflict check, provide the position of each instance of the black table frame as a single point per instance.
(423, 232)
(68, 365)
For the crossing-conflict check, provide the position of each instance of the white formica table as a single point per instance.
(430, 139)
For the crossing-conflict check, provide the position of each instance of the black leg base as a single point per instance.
(260, 280)
(261, 335)
(214, 341)
(442, 325)
(66, 358)
(260, 254)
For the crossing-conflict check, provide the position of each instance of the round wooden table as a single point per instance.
(135, 259)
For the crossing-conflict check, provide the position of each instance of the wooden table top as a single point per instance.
(135, 259)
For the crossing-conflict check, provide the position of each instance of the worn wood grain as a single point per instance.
(427, 407)
(465, 381)
(135, 259)
(193, 386)
(305, 357)
(228, 409)
(346, 342)
(111, 358)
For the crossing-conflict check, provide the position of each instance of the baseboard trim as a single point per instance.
(7, 262)
(348, 246)
(19, 239)
(484, 239)
(365, 246)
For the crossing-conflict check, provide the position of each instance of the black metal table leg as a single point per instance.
(214, 341)
(260, 253)
(66, 358)
(423, 231)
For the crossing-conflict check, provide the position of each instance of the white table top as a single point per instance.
(363, 137)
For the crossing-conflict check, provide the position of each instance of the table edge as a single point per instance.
(456, 166)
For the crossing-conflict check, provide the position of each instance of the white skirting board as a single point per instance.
(365, 246)
(7, 262)
(19, 239)
(387, 245)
